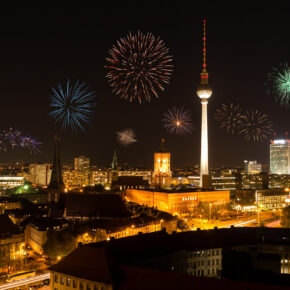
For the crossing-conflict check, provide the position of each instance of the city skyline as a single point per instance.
(39, 56)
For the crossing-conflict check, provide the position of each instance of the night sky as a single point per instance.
(41, 46)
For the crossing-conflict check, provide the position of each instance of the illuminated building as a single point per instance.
(82, 163)
(11, 181)
(280, 156)
(176, 202)
(100, 176)
(204, 92)
(271, 198)
(252, 167)
(75, 179)
(162, 173)
(9, 203)
(255, 181)
(12, 243)
(40, 174)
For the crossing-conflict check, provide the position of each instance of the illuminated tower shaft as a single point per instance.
(204, 140)
(204, 92)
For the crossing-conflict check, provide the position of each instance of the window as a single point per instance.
(202, 273)
(208, 271)
(68, 282)
(217, 261)
(95, 287)
(202, 262)
(198, 273)
(75, 284)
(208, 262)
(81, 286)
(212, 262)
(198, 263)
(55, 278)
(194, 273)
(217, 252)
(88, 286)
(61, 280)
(212, 271)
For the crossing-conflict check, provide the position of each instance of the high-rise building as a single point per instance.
(204, 92)
(82, 163)
(162, 173)
(280, 156)
(252, 167)
(40, 174)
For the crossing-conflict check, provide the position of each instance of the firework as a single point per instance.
(72, 105)
(29, 143)
(255, 126)
(177, 121)
(278, 84)
(229, 117)
(139, 66)
(126, 137)
(12, 139)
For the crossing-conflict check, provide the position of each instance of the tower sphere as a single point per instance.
(204, 91)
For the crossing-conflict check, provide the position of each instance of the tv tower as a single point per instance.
(204, 92)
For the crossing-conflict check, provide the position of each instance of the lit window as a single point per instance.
(62, 280)
(68, 282)
(75, 284)
(55, 278)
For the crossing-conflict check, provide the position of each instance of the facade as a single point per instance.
(207, 263)
(252, 167)
(280, 156)
(11, 181)
(40, 174)
(176, 202)
(75, 179)
(162, 173)
(271, 198)
(82, 163)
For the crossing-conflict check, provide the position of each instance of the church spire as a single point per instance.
(56, 185)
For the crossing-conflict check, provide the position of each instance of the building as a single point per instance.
(9, 203)
(11, 181)
(280, 156)
(82, 163)
(271, 198)
(204, 92)
(12, 244)
(162, 173)
(176, 201)
(56, 185)
(40, 174)
(255, 181)
(36, 232)
(252, 167)
(75, 179)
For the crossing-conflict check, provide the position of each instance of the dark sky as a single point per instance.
(40, 46)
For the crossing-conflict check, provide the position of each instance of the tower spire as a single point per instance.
(204, 73)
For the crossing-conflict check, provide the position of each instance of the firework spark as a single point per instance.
(126, 137)
(12, 139)
(177, 121)
(139, 65)
(72, 105)
(255, 126)
(278, 84)
(229, 117)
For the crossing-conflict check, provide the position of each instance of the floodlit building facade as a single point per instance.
(280, 156)
(40, 174)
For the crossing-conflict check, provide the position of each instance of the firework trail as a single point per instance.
(126, 137)
(229, 117)
(278, 84)
(177, 121)
(13, 139)
(72, 105)
(138, 66)
(255, 126)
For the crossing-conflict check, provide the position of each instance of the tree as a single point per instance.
(59, 244)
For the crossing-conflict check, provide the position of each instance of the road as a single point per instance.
(250, 221)
(25, 282)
